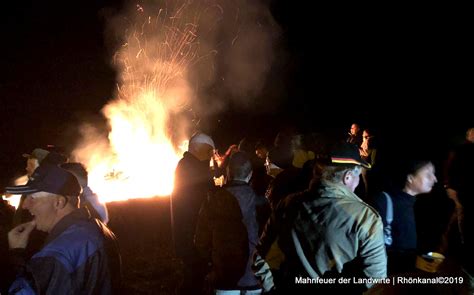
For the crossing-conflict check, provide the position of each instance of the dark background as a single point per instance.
(404, 71)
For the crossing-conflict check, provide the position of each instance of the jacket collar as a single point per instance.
(75, 216)
(329, 189)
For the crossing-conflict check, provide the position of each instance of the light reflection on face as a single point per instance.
(31, 165)
(354, 129)
(42, 206)
(423, 180)
(272, 169)
(353, 179)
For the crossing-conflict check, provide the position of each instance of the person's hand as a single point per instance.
(18, 237)
(232, 149)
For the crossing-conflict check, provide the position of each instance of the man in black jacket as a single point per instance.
(193, 181)
(227, 230)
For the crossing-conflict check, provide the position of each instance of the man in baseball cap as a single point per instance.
(80, 253)
(327, 231)
(50, 179)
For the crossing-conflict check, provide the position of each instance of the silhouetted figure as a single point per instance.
(227, 231)
(193, 182)
(355, 135)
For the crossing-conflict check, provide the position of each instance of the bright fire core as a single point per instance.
(138, 158)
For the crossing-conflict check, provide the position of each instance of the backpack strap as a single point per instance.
(387, 229)
(389, 213)
(299, 251)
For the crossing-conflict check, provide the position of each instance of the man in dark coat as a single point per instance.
(227, 230)
(193, 181)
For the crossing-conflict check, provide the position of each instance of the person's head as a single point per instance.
(201, 146)
(239, 167)
(347, 175)
(420, 177)
(366, 134)
(470, 135)
(277, 160)
(38, 156)
(78, 170)
(52, 193)
(245, 145)
(34, 159)
(355, 128)
(284, 139)
(261, 150)
(344, 166)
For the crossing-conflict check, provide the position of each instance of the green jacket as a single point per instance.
(325, 231)
(336, 229)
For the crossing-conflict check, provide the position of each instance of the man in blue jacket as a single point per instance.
(80, 254)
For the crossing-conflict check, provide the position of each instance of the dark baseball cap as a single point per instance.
(50, 154)
(346, 154)
(38, 154)
(51, 179)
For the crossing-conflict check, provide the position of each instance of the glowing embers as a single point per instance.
(138, 157)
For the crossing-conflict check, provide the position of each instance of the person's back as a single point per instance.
(227, 230)
(193, 182)
(346, 241)
(222, 239)
(246, 198)
(326, 232)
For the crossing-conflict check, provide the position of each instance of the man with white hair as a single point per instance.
(193, 181)
(328, 235)
(80, 254)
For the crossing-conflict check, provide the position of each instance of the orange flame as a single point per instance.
(14, 200)
(138, 158)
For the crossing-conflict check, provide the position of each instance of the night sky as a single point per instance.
(385, 68)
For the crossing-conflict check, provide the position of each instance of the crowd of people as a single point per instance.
(298, 215)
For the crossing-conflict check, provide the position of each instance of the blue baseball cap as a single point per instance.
(51, 179)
